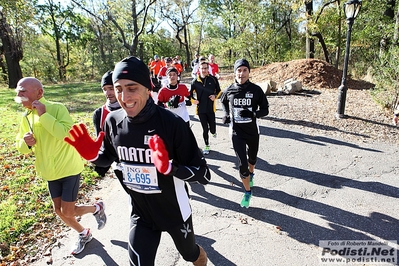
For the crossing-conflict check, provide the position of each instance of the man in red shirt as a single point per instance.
(177, 65)
(173, 95)
(162, 77)
(214, 67)
(156, 65)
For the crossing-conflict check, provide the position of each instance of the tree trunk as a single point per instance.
(396, 33)
(3, 65)
(12, 52)
(133, 46)
(101, 49)
(59, 61)
(57, 39)
(390, 13)
(323, 45)
(187, 47)
(390, 10)
(309, 41)
(338, 52)
(14, 71)
(200, 37)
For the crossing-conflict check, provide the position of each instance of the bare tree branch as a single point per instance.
(322, 8)
(137, 31)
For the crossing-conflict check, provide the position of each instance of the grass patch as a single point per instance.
(25, 201)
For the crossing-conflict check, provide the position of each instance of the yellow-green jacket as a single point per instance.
(55, 158)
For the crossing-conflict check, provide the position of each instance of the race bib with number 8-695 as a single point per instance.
(141, 178)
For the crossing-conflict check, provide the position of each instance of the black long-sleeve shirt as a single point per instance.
(126, 141)
(99, 116)
(203, 88)
(244, 96)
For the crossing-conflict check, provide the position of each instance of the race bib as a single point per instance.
(141, 178)
(240, 119)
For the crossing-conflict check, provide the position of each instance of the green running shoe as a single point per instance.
(245, 199)
(251, 179)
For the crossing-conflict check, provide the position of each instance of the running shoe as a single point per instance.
(100, 215)
(215, 135)
(251, 179)
(206, 150)
(81, 243)
(245, 199)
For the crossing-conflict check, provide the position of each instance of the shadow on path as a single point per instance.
(119, 243)
(340, 221)
(97, 248)
(321, 179)
(316, 140)
(213, 255)
(326, 180)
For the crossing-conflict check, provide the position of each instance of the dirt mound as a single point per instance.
(313, 73)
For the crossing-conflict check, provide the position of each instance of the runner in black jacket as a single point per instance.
(244, 102)
(101, 113)
(204, 91)
(157, 154)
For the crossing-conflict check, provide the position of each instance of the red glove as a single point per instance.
(83, 143)
(160, 156)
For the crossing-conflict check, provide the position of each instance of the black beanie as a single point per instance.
(134, 69)
(171, 69)
(241, 62)
(107, 79)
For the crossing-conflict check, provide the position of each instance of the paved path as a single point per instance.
(307, 189)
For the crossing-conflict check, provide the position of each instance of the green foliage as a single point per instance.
(38, 49)
(65, 27)
(24, 198)
(59, 21)
(262, 31)
(161, 45)
(369, 29)
(385, 73)
(18, 12)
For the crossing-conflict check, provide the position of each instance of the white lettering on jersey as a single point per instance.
(242, 102)
(132, 154)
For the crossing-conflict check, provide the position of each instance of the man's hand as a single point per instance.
(247, 113)
(41, 108)
(83, 143)
(174, 101)
(160, 156)
(226, 120)
(161, 104)
(29, 139)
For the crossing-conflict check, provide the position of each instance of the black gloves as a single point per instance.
(226, 120)
(174, 101)
(247, 113)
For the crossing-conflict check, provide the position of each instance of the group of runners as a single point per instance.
(155, 165)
